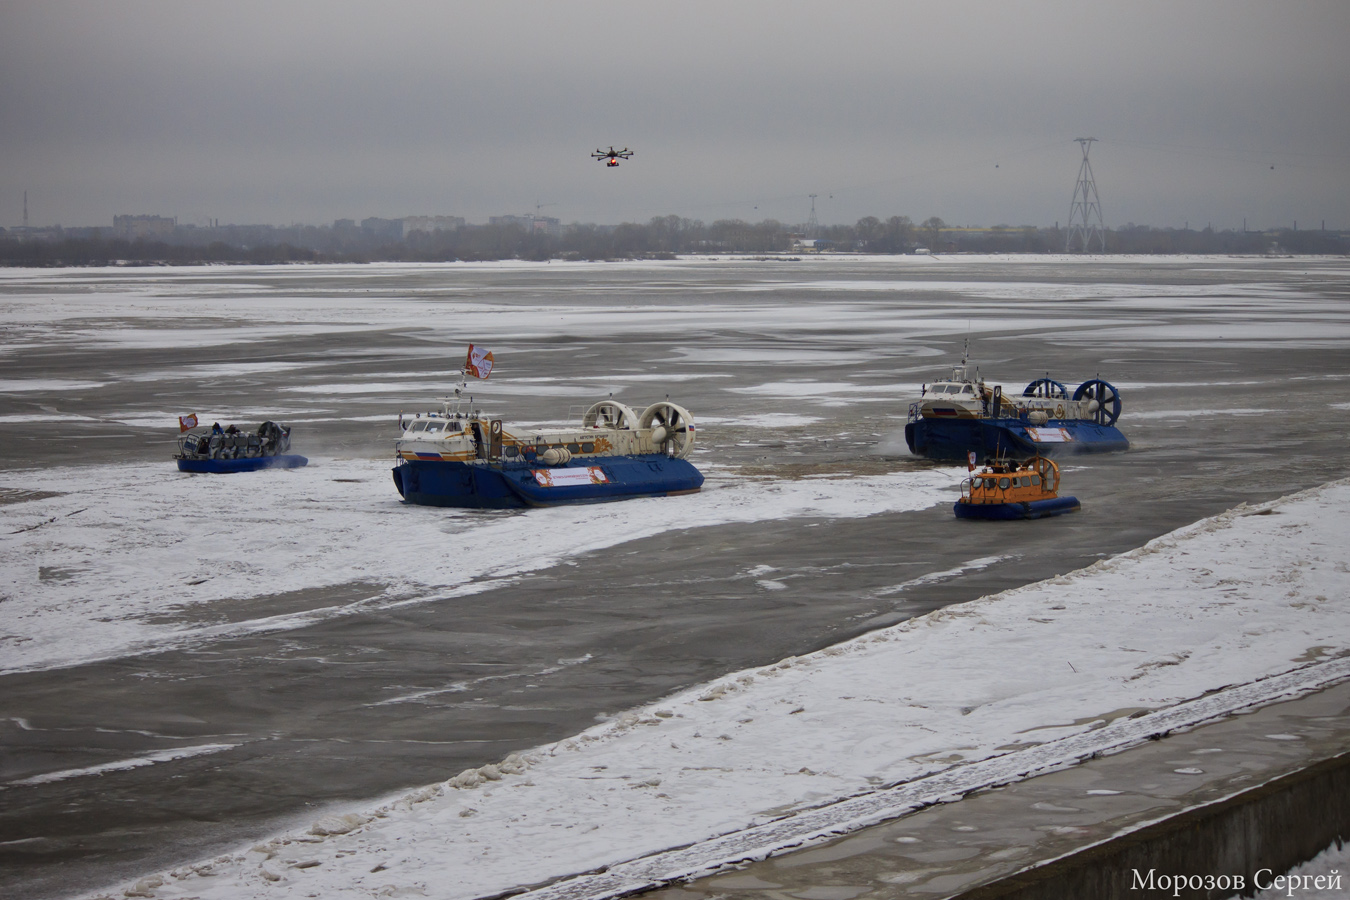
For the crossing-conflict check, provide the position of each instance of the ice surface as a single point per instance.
(762, 420)
(139, 559)
(129, 559)
(941, 699)
(199, 307)
(21, 385)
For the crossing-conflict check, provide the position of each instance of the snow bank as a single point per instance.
(1242, 596)
(1309, 881)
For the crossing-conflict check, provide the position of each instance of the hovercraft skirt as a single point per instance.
(1034, 509)
(245, 464)
(519, 484)
(953, 439)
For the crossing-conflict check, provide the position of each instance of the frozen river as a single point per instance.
(188, 662)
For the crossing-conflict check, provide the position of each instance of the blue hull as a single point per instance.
(1036, 509)
(952, 439)
(250, 464)
(515, 485)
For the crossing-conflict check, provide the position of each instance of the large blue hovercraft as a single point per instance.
(466, 459)
(961, 415)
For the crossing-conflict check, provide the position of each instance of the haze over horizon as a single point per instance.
(1207, 112)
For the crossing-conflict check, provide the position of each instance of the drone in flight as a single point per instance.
(612, 156)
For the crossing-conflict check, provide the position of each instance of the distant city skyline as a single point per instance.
(1206, 112)
(164, 225)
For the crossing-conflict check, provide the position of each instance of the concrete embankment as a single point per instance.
(1265, 789)
(1217, 850)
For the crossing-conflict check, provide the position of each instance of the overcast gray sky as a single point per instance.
(284, 112)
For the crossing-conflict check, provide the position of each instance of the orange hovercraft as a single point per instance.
(1007, 490)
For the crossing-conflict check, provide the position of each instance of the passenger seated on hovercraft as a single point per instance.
(275, 439)
(270, 439)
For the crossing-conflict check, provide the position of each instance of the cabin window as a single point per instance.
(573, 448)
(588, 447)
(433, 427)
(419, 426)
(1003, 483)
(1035, 479)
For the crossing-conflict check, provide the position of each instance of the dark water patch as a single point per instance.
(266, 606)
(10, 496)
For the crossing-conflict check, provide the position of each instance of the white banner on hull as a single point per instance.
(567, 477)
(1049, 435)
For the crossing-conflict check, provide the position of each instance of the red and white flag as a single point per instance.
(479, 363)
(970, 460)
(187, 423)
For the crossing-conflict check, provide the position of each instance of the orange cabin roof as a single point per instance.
(1005, 483)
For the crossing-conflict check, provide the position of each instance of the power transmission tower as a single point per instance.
(1085, 212)
(812, 226)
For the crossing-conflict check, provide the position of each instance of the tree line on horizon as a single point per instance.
(662, 237)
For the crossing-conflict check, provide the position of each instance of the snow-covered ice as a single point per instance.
(96, 569)
(1246, 595)
(122, 764)
(1324, 877)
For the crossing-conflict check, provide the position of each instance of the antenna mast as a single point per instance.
(812, 226)
(1085, 212)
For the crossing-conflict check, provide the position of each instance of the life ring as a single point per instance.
(1059, 410)
(495, 439)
